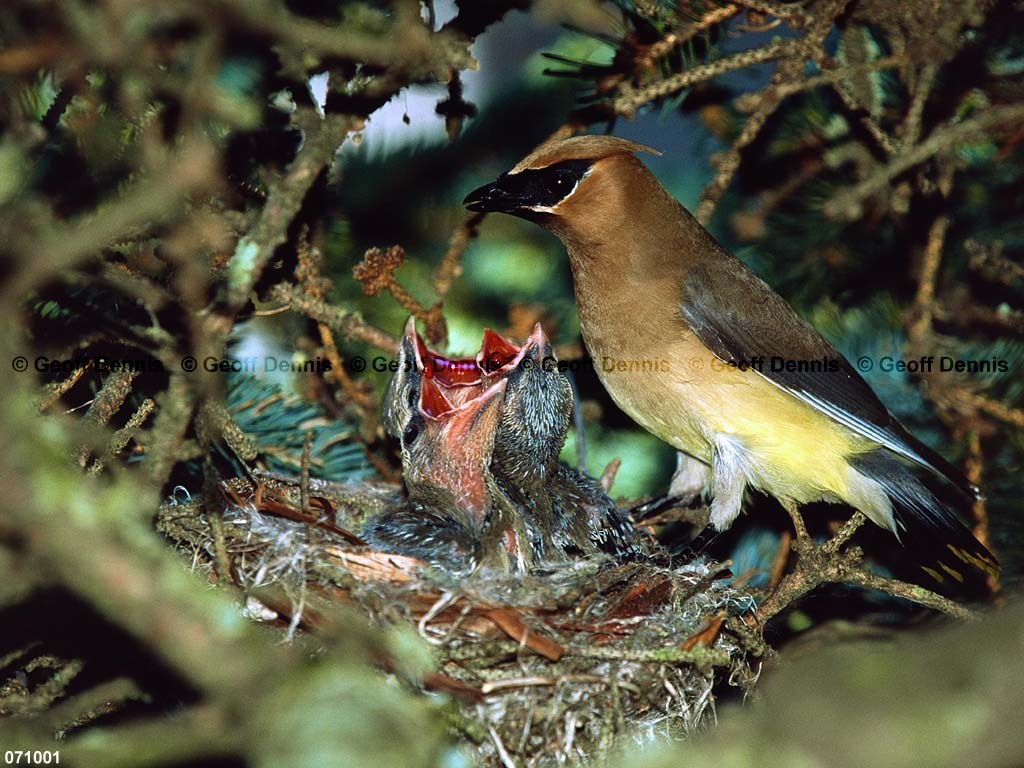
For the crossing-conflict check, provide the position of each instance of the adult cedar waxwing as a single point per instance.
(702, 353)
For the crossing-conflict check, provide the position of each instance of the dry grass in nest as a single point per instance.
(561, 664)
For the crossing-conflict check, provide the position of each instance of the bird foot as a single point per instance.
(655, 506)
(804, 545)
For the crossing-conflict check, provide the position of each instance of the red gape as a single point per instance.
(432, 399)
(452, 373)
(495, 353)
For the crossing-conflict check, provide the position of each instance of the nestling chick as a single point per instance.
(463, 452)
(586, 521)
(706, 356)
(535, 416)
(567, 514)
(456, 517)
(534, 423)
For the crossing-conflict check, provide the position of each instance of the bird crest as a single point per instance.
(579, 148)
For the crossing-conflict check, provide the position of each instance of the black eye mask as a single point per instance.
(518, 192)
(546, 186)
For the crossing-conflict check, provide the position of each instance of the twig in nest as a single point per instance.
(265, 500)
(527, 682)
(444, 601)
(609, 473)
(698, 656)
(506, 758)
(707, 633)
(512, 624)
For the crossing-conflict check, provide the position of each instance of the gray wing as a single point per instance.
(742, 320)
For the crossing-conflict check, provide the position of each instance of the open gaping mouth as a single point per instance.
(453, 384)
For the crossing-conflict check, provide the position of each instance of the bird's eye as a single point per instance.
(410, 434)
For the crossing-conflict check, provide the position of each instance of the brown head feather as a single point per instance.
(579, 148)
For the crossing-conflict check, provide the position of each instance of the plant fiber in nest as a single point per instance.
(565, 663)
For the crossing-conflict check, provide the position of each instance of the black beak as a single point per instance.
(496, 198)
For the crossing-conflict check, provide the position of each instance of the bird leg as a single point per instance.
(689, 479)
(844, 533)
(805, 546)
(688, 482)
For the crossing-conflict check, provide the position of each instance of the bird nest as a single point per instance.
(561, 663)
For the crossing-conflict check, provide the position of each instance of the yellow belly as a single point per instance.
(687, 397)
